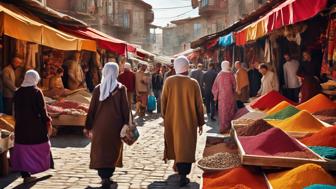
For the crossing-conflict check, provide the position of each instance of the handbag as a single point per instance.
(151, 103)
(129, 133)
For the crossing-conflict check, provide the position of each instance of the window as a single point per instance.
(204, 3)
(126, 20)
(110, 7)
(197, 29)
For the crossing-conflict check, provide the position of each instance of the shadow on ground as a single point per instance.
(32, 184)
(172, 183)
(70, 137)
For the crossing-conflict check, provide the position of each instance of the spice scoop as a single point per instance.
(219, 161)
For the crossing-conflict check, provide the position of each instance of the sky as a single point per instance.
(166, 11)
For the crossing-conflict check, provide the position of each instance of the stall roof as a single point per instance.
(24, 26)
(252, 17)
(186, 53)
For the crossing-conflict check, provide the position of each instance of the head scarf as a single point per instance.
(226, 66)
(31, 79)
(109, 80)
(181, 64)
(128, 66)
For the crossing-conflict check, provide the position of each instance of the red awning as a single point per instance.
(103, 40)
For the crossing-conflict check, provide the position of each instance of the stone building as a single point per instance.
(129, 20)
(214, 16)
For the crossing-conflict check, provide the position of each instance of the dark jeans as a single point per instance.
(293, 94)
(157, 94)
(183, 168)
(106, 173)
(24, 174)
(8, 103)
(210, 104)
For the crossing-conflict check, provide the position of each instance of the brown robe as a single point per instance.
(106, 120)
(182, 111)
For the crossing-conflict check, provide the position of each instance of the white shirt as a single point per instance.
(290, 69)
(269, 82)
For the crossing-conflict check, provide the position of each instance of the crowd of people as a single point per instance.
(180, 92)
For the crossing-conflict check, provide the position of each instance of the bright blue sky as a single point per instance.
(163, 17)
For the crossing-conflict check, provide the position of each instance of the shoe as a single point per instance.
(27, 180)
(106, 183)
(184, 182)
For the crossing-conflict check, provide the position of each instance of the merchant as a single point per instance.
(181, 94)
(76, 77)
(56, 87)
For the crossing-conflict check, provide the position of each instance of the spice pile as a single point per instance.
(269, 100)
(285, 113)
(239, 177)
(300, 177)
(221, 161)
(282, 105)
(254, 128)
(326, 152)
(243, 121)
(325, 137)
(320, 186)
(67, 107)
(226, 145)
(317, 103)
(300, 122)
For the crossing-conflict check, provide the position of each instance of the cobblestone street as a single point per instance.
(143, 165)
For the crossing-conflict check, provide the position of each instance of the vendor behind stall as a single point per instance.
(76, 78)
(56, 87)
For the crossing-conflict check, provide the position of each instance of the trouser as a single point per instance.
(24, 174)
(142, 99)
(293, 94)
(210, 104)
(8, 103)
(105, 173)
(130, 99)
(157, 94)
(183, 168)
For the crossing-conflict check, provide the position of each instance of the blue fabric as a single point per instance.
(151, 104)
(320, 186)
(226, 40)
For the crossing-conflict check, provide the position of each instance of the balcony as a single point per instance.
(210, 7)
(149, 16)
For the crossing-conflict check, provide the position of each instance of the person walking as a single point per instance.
(31, 153)
(224, 93)
(157, 83)
(127, 78)
(142, 90)
(208, 81)
(269, 81)
(198, 74)
(108, 113)
(9, 80)
(254, 79)
(242, 80)
(182, 112)
(292, 83)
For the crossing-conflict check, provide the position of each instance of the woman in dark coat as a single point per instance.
(108, 112)
(309, 71)
(31, 153)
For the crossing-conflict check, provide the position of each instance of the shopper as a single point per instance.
(269, 81)
(309, 72)
(242, 80)
(9, 80)
(182, 111)
(142, 89)
(170, 72)
(31, 153)
(157, 83)
(292, 83)
(224, 92)
(127, 78)
(108, 112)
(208, 81)
(254, 79)
(198, 75)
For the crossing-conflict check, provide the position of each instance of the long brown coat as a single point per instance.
(182, 111)
(106, 120)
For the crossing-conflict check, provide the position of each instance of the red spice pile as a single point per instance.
(325, 137)
(269, 143)
(269, 100)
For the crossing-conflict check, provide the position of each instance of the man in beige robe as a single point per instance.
(182, 111)
(242, 80)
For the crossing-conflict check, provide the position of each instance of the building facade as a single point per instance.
(129, 20)
(214, 16)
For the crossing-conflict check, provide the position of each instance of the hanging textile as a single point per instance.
(256, 30)
(226, 40)
(241, 38)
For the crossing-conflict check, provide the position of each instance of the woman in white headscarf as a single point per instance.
(224, 93)
(108, 112)
(31, 153)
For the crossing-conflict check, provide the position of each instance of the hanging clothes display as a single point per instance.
(32, 50)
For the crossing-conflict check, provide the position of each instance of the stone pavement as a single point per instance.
(143, 165)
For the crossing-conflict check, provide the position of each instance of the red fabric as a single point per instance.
(269, 100)
(299, 9)
(212, 43)
(128, 79)
(241, 38)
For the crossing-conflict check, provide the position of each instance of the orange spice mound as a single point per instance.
(269, 100)
(317, 103)
(325, 137)
(300, 122)
(282, 105)
(234, 178)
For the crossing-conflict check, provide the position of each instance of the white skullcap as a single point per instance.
(226, 66)
(181, 64)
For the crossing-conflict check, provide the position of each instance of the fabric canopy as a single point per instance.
(20, 25)
(226, 40)
(287, 13)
